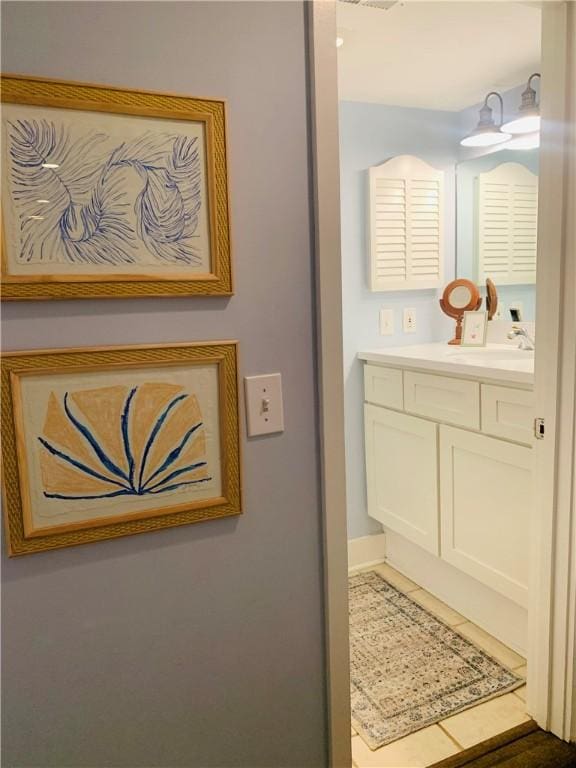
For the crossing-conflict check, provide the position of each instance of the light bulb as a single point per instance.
(524, 141)
(485, 139)
(526, 124)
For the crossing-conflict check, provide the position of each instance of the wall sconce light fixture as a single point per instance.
(487, 133)
(528, 120)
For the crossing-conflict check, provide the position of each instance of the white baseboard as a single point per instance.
(496, 614)
(366, 551)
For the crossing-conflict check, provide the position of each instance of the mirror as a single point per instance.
(491, 298)
(496, 226)
(459, 296)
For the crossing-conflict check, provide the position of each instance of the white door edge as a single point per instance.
(326, 155)
(551, 697)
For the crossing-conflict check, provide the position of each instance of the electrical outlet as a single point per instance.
(518, 307)
(386, 322)
(409, 321)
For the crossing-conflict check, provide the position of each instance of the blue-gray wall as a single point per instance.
(201, 645)
(369, 135)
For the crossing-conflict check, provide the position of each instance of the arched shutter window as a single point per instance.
(406, 198)
(507, 224)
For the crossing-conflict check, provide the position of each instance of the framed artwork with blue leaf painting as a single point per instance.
(110, 441)
(110, 193)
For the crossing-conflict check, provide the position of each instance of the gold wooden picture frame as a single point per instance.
(108, 193)
(110, 441)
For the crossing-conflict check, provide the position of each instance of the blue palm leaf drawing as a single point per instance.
(47, 165)
(98, 232)
(135, 202)
(116, 441)
(167, 208)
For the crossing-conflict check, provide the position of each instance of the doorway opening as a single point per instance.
(431, 457)
(439, 436)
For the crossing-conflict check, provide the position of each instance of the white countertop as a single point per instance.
(496, 362)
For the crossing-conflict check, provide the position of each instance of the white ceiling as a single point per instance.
(436, 55)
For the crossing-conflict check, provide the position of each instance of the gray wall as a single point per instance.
(202, 645)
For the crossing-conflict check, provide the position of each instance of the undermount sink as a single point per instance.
(503, 352)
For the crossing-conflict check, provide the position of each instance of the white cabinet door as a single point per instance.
(402, 474)
(507, 224)
(485, 502)
(406, 225)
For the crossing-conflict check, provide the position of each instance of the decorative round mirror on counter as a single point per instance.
(491, 298)
(460, 296)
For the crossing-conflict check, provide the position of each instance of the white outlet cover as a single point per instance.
(264, 406)
(409, 320)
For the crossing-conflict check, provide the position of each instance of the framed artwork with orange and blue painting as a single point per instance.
(111, 441)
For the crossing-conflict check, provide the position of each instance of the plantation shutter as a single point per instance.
(405, 223)
(507, 224)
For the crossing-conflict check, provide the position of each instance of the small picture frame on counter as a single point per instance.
(474, 330)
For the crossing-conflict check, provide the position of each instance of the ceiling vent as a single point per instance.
(383, 5)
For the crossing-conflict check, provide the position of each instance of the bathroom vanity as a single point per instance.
(449, 434)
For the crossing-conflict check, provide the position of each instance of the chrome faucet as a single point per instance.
(525, 340)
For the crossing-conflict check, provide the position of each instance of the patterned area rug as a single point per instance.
(408, 668)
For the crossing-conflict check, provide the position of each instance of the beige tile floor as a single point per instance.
(448, 737)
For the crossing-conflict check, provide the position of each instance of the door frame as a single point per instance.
(552, 608)
(322, 71)
(552, 604)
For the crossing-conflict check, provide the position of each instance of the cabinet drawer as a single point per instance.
(383, 386)
(454, 401)
(508, 413)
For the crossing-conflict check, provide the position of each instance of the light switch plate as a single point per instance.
(386, 322)
(264, 406)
